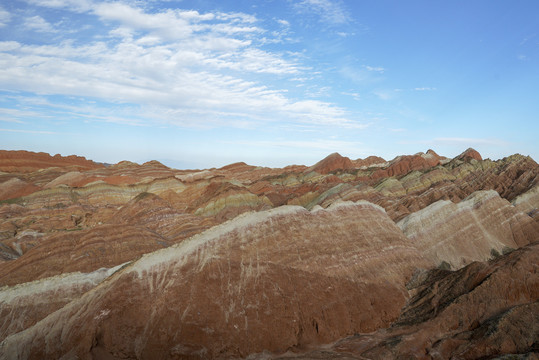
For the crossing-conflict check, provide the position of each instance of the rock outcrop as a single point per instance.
(472, 230)
(368, 161)
(331, 163)
(263, 281)
(528, 202)
(24, 305)
(420, 257)
(470, 154)
(483, 311)
(402, 165)
(26, 161)
(15, 188)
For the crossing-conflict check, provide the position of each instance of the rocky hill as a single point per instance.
(419, 257)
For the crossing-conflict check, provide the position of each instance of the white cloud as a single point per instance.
(254, 60)
(12, 115)
(79, 109)
(355, 95)
(9, 45)
(317, 144)
(73, 5)
(236, 17)
(171, 66)
(361, 74)
(37, 23)
(10, 120)
(283, 22)
(330, 12)
(29, 131)
(425, 89)
(377, 69)
(168, 24)
(176, 24)
(5, 17)
(318, 91)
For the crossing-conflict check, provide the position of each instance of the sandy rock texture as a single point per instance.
(486, 310)
(420, 257)
(264, 281)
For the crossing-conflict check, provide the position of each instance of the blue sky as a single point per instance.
(198, 84)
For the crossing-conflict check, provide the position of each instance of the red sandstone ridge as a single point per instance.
(331, 163)
(470, 154)
(26, 161)
(154, 164)
(368, 161)
(457, 234)
(264, 281)
(402, 165)
(146, 261)
(239, 166)
(15, 188)
(487, 310)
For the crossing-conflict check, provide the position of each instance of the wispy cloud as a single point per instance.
(377, 69)
(179, 67)
(78, 109)
(15, 114)
(283, 22)
(361, 74)
(37, 23)
(318, 91)
(5, 17)
(73, 5)
(527, 38)
(355, 95)
(459, 141)
(10, 120)
(318, 144)
(425, 89)
(29, 131)
(330, 12)
(471, 141)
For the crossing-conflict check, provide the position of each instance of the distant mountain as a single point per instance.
(26, 161)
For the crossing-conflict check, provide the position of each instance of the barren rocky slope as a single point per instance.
(482, 311)
(145, 261)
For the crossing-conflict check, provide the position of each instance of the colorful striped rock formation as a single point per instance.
(420, 257)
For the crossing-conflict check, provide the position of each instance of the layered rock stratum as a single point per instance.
(420, 257)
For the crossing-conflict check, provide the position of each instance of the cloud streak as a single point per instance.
(5, 17)
(377, 69)
(180, 67)
(472, 141)
(329, 12)
(29, 131)
(425, 89)
(459, 141)
(37, 23)
(318, 144)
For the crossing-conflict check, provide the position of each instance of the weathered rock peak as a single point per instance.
(470, 154)
(331, 163)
